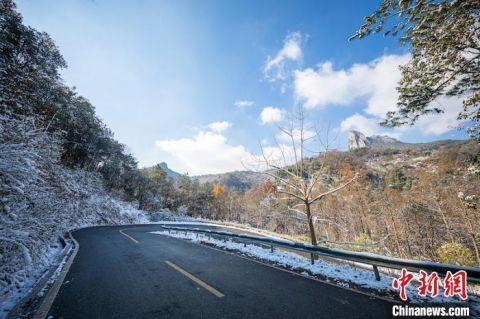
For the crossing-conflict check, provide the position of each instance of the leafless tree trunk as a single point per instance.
(472, 234)
(293, 177)
(395, 233)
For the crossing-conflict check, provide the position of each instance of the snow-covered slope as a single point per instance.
(40, 201)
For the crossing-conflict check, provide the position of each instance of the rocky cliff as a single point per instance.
(358, 140)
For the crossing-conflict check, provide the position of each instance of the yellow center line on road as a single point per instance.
(128, 236)
(195, 279)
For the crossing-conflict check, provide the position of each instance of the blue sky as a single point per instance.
(161, 72)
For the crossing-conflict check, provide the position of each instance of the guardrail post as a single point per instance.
(196, 234)
(375, 271)
(245, 243)
(271, 247)
(312, 259)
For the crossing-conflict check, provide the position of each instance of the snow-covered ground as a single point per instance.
(229, 225)
(41, 200)
(28, 251)
(343, 275)
(39, 252)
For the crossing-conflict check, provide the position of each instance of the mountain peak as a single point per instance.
(163, 165)
(357, 139)
(170, 173)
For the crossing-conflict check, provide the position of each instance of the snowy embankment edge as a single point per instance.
(41, 279)
(32, 292)
(240, 227)
(344, 276)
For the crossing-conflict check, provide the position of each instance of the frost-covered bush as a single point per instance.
(40, 200)
(456, 254)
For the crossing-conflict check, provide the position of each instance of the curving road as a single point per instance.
(135, 274)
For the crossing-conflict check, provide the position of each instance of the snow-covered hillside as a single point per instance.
(41, 201)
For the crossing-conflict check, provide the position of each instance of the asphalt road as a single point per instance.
(144, 275)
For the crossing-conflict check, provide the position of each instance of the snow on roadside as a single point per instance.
(56, 273)
(206, 222)
(23, 268)
(192, 223)
(343, 275)
(39, 239)
(15, 295)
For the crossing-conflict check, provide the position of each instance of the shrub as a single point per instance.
(456, 254)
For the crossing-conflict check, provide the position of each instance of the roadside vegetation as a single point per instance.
(421, 204)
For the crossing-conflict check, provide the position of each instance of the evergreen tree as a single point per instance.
(445, 43)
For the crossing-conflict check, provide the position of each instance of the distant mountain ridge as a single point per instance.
(170, 173)
(244, 180)
(239, 180)
(357, 140)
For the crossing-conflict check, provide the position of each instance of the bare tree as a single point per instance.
(297, 180)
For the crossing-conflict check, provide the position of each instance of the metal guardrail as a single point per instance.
(473, 274)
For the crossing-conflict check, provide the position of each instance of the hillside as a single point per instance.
(417, 201)
(60, 166)
(358, 140)
(169, 173)
(378, 154)
(238, 180)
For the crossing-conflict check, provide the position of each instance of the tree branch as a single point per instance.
(332, 191)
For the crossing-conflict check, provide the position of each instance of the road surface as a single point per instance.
(126, 272)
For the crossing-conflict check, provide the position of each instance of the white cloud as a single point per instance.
(437, 124)
(429, 124)
(285, 138)
(211, 153)
(243, 103)
(271, 114)
(375, 80)
(219, 127)
(280, 155)
(276, 67)
(205, 153)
